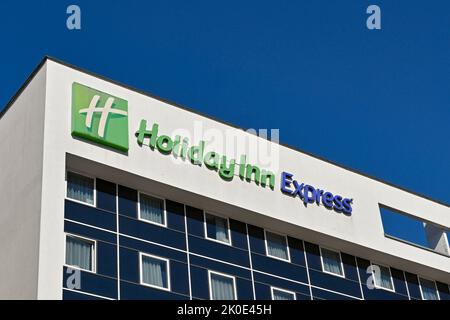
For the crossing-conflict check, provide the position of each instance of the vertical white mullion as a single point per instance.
(359, 278)
(307, 270)
(437, 290)
(187, 252)
(251, 262)
(95, 192)
(117, 241)
(406, 284)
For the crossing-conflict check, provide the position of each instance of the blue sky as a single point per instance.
(376, 101)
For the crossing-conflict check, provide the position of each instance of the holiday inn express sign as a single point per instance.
(103, 119)
(226, 168)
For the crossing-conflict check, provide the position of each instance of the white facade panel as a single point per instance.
(21, 145)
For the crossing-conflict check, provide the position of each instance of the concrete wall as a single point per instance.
(21, 159)
(437, 238)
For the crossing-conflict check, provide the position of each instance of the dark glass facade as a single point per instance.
(120, 237)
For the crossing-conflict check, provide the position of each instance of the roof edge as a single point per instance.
(24, 86)
(36, 70)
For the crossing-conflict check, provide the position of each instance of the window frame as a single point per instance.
(164, 225)
(93, 253)
(272, 288)
(376, 285)
(211, 272)
(141, 278)
(205, 227)
(420, 286)
(94, 205)
(287, 246)
(340, 260)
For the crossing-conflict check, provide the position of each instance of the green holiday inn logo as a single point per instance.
(99, 117)
(102, 118)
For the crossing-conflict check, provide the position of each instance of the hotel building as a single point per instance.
(111, 193)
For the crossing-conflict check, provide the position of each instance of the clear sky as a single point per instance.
(374, 100)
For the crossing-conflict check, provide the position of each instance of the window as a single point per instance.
(80, 188)
(217, 228)
(152, 209)
(382, 277)
(80, 253)
(428, 289)
(331, 262)
(280, 294)
(222, 286)
(276, 246)
(155, 272)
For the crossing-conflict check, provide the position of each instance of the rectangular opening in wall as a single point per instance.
(448, 238)
(414, 231)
